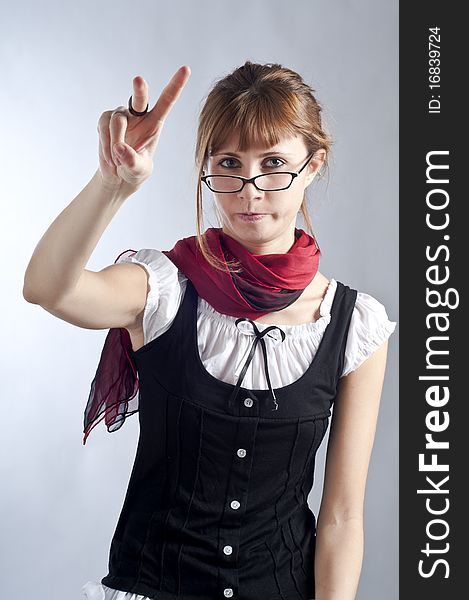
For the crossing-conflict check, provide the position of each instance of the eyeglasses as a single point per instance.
(268, 182)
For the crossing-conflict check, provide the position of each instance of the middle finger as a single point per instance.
(139, 96)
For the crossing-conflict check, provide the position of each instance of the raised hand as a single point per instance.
(136, 136)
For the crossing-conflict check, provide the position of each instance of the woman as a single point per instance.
(240, 349)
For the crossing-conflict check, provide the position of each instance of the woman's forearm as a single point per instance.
(65, 248)
(338, 559)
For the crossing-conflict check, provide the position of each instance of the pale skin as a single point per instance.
(56, 279)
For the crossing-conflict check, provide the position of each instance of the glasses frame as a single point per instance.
(245, 180)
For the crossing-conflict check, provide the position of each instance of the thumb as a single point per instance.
(125, 153)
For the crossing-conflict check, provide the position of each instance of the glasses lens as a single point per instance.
(273, 181)
(224, 184)
(267, 182)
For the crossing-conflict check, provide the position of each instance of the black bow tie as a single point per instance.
(258, 338)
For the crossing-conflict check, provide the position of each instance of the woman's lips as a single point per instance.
(252, 217)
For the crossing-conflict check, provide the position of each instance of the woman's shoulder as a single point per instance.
(167, 287)
(155, 260)
(369, 309)
(370, 326)
(367, 306)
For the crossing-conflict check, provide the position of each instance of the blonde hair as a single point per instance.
(262, 103)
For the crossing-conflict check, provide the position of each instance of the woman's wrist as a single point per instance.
(117, 190)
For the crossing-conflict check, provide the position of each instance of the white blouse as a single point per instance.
(223, 346)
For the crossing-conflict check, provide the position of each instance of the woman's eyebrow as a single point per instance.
(270, 152)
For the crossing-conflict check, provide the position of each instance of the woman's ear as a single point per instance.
(318, 159)
(315, 165)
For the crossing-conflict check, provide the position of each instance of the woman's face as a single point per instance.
(274, 231)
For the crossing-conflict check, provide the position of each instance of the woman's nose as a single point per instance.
(250, 191)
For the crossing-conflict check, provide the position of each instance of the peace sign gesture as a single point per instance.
(137, 137)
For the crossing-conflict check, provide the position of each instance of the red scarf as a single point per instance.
(267, 283)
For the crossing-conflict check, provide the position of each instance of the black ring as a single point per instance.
(135, 113)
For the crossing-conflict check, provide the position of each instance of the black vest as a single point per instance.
(216, 505)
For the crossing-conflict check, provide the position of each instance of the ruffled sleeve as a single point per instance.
(149, 261)
(113, 393)
(166, 289)
(369, 328)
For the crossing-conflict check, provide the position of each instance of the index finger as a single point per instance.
(168, 97)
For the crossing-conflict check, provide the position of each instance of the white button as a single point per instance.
(227, 549)
(228, 592)
(235, 504)
(248, 402)
(241, 452)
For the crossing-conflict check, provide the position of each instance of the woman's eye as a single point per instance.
(225, 160)
(268, 163)
(279, 162)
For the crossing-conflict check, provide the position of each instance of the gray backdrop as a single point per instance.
(62, 64)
